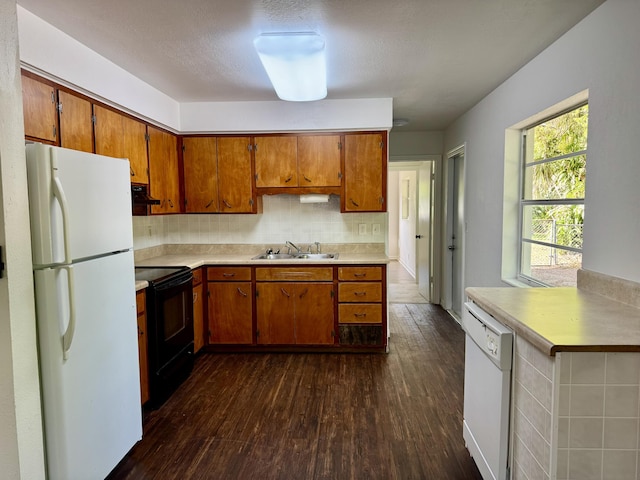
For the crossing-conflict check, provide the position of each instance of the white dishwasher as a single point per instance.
(487, 391)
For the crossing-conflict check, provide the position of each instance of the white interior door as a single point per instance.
(456, 239)
(424, 229)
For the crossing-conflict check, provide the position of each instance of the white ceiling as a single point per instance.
(436, 58)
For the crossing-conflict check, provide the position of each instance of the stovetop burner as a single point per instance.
(156, 275)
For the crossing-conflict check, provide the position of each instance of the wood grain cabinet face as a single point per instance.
(235, 175)
(163, 171)
(230, 305)
(276, 160)
(198, 311)
(295, 312)
(200, 174)
(142, 346)
(76, 126)
(365, 164)
(319, 161)
(39, 104)
(109, 132)
(135, 149)
(361, 297)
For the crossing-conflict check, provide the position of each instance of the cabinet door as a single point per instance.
(275, 313)
(163, 171)
(76, 127)
(365, 173)
(40, 113)
(276, 161)
(200, 174)
(109, 132)
(314, 314)
(142, 346)
(230, 313)
(235, 175)
(135, 149)
(319, 161)
(198, 318)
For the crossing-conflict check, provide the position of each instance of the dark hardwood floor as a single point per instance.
(318, 416)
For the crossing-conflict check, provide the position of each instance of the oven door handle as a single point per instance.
(178, 282)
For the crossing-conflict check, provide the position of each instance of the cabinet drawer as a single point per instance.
(295, 274)
(197, 276)
(359, 273)
(360, 292)
(140, 302)
(217, 274)
(360, 313)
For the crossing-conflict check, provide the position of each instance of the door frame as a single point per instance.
(447, 231)
(415, 162)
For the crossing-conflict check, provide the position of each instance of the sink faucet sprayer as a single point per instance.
(288, 244)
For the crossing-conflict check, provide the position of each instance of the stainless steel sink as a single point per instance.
(297, 256)
(315, 256)
(273, 256)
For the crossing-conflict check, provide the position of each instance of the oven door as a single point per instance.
(173, 317)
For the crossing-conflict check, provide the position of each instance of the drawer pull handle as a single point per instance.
(226, 204)
(360, 275)
(208, 204)
(195, 297)
(354, 203)
(306, 290)
(228, 275)
(360, 315)
(241, 292)
(359, 294)
(284, 292)
(288, 179)
(306, 178)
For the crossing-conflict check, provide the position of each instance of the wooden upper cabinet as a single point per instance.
(365, 165)
(235, 175)
(200, 174)
(109, 132)
(40, 110)
(163, 171)
(276, 161)
(319, 160)
(135, 149)
(76, 127)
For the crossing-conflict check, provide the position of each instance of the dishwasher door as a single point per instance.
(487, 391)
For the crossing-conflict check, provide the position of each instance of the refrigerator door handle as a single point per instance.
(67, 338)
(58, 192)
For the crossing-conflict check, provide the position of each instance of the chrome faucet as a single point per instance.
(288, 244)
(317, 246)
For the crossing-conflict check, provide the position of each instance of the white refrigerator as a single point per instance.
(82, 242)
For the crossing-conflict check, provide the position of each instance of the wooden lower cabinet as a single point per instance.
(198, 311)
(295, 313)
(230, 305)
(142, 346)
(362, 305)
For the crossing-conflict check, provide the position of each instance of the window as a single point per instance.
(552, 198)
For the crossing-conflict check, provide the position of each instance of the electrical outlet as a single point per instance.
(149, 230)
(375, 229)
(362, 229)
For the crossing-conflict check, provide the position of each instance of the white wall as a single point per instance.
(599, 54)
(414, 143)
(21, 445)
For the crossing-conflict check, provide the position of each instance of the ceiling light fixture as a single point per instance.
(295, 63)
(400, 122)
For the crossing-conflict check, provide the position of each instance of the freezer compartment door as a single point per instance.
(80, 204)
(91, 400)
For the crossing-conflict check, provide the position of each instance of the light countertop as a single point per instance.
(563, 319)
(198, 260)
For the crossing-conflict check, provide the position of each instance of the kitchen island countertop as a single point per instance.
(563, 318)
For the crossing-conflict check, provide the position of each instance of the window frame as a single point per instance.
(523, 203)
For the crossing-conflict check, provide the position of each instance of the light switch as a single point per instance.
(362, 229)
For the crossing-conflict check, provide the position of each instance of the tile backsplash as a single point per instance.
(283, 218)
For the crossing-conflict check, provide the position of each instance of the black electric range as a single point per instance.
(169, 328)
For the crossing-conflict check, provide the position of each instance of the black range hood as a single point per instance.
(139, 196)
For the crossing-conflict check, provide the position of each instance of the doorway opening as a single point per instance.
(411, 229)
